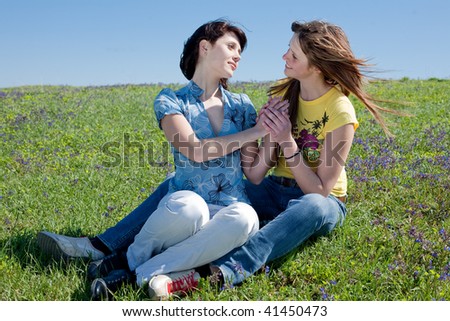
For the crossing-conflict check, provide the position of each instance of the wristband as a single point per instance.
(295, 154)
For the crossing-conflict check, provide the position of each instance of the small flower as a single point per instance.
(443, 277)
(216, 278)
(324, 294)
(238, 267)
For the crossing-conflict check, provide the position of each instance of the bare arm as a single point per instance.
(180, 134)
(257, 160)
(333, 155)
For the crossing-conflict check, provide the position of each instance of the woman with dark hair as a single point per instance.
(206, 212)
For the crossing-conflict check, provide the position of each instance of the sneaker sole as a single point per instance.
(50, 246)
(101, 295)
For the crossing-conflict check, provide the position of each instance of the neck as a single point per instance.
(210, 86)
(311, 90)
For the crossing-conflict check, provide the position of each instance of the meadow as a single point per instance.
(75, 160)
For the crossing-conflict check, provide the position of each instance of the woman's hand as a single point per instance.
(275, 103)
(278, 124)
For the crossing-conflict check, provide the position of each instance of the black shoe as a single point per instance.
(102, 267)
(104, 288)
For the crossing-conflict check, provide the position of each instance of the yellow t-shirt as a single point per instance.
(317, 118)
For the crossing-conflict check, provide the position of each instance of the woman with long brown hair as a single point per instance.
(306, 193)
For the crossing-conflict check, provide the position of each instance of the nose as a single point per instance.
(237, 57)
(285, 55)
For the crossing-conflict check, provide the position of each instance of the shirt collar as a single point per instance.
(196, 91)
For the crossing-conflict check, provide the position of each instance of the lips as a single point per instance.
(233, 66)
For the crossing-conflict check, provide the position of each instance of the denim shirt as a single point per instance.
(219, 181)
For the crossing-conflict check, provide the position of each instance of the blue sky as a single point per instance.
(108, 42)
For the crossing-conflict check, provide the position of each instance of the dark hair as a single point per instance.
(210, 31)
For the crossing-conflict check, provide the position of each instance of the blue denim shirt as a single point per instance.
(218, 181)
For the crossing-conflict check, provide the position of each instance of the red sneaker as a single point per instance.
(161, 287)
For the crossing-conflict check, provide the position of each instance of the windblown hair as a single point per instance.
(327, 48)
(210, 31)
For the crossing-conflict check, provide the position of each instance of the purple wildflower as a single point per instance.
(238, 267)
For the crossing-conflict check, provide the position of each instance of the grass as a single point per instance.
(75, 160)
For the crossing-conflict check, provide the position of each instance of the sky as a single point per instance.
(111, 42)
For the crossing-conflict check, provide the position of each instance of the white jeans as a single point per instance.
(184, 233)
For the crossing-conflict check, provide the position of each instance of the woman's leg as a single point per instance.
(269, 198)
(120, 236)
(230, 227)
(311, 214)
(116, 238)
(178, 216)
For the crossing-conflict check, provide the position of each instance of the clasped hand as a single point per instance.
(274, 118)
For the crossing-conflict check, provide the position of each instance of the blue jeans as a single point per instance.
(291, 218)
(120, 236)
(288, 217)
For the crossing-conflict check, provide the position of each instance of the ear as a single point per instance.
(203, 47)
(317, 70)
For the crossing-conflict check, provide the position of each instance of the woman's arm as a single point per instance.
(180, 134)
(257, 160)
(334, 153)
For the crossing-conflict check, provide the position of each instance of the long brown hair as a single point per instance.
(327, 48)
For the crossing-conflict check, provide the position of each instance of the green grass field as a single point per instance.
(75, 160)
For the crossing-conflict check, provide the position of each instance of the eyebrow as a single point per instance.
(236, 43)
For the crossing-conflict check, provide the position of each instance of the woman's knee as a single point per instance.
(313, 206)
(186, 205)
(243, 218)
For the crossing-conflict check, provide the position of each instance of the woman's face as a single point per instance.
(297, 64)
(223, 57)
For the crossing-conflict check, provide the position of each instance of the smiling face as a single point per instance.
(297, 64)
(223, 56)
